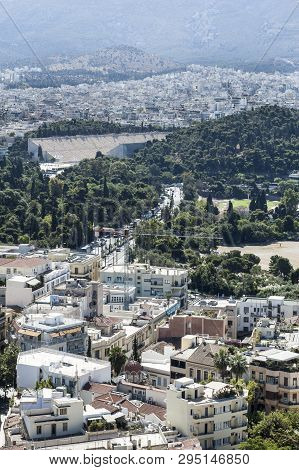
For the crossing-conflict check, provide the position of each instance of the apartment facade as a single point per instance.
(52, 330)
(50, 414)
(277, 373)
(88, 295)
(63, 369)
(251, 309)
(213, 413)
(2, 328)
(150, 281)
(84, 266)
(219, 308)
(182, 325)
(27, 266)
(195, 362)
(21, 290)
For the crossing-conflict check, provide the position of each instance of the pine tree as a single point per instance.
(135, 355)
(105, 188)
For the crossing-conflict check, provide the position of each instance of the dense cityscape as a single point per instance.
(165, 100)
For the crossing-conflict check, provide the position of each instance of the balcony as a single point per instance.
(240, 410)
(286, 402)
(289, 387)
(207, 434)
(157, 283)
(239, 425)
(197, 417)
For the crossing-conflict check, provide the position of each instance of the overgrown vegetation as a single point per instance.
(278, 430)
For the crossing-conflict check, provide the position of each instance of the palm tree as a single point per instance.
(221, 362)
(238, 365)
(118, 358)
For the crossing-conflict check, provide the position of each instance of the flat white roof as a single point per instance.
(60, 362)
(156, 367)
(278, 355)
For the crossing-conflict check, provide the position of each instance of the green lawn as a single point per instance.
(241, 204)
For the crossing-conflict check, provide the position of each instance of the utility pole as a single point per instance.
(126, 268)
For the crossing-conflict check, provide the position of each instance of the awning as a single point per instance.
(73, 330)
(33, 282)
(65, 332)
(29, 332)
(112, 418)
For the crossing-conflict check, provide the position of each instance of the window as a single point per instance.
(226, 408)
(159, 381)
(271, 380)
(63, 411)
(285, 381)
(261, 377)
(271, 395)
(64, 427)
(205, 375)
(295, 382)
(217, 443)
(226, 424)
(246, 319)
(38, 430)
(191, 373)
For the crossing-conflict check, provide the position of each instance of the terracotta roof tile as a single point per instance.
(147, 409)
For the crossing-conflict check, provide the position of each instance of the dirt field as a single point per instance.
(288, 250)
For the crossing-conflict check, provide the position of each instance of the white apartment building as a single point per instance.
(214, 413)
(63, 369)
(86, 295)
(251, 309)
(157, 366)
(49, 414)
(22, 290)
(52, 330)
(150, 281)
(27, 266)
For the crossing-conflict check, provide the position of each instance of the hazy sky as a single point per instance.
(187, 30)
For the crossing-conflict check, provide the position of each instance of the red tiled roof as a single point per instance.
(147, 409)
(130, 406)
(97, 404)
(112, 397)
(26, 262)
(4, 261)
(107, 321)
(99, 389)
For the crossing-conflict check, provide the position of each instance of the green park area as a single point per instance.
(222, 204)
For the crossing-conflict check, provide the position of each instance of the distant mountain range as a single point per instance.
(122, 59)
(224, 32)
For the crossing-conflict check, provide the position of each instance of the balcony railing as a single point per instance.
(288, 403)
(289, 387)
